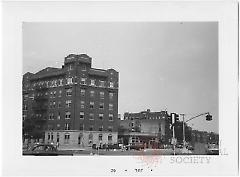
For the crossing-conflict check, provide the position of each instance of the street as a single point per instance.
(132, 152)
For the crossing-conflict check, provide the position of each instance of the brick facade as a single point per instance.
(145, 126)
(75, 97)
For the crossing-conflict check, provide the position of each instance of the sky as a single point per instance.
(169, 66)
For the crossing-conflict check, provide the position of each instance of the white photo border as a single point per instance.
(15, 13)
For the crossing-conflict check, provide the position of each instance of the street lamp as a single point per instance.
(208, 118)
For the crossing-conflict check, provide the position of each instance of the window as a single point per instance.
(60, 82)
(91, 128)
(67, 127)
(110, 96)
(70, 67)
(25, 97)
(110, 128)
(110, 117)
(69, 92)
(47, 83)
(92, 82)
(66, 138)
(92, 93)
(91, 116)
(58, 136)
(110, 107)
(24, 116)
(69, 80)
(54, 94)
(82, 104)
(100, 137)
(101, 116)
(55, 83)
(101, 83)
(51, 116)
(68, 103)
(51, 83)
(68, 115)
(100, 128)
(59, 104)
(82, 92)
(59, 116)
(111, 84)
(25, 107)
(32, 97)
(91, 104)
(84, 68)
(81, 127)
(81, 115)
(101, 105)
(48, 136)
(101, 95)
(53, 104)
(51, 136)
(83, 81)
(109, 137)
(90, 138)
(60, 93)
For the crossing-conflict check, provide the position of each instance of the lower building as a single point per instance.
(147, 128)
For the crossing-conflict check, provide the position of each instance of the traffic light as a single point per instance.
(174, 118)
(208, 117)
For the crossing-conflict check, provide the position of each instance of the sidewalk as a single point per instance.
(73, 148)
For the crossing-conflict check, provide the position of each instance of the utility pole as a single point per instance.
(173, 127)
(184, 142)
(174, 141)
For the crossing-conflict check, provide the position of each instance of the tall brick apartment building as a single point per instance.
(78, 103)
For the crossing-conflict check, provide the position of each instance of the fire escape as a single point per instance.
(40, 107)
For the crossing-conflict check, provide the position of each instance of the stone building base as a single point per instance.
(76, 138)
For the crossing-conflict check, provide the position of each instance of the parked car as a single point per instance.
(45, 150)
(213, 149)
(136, 146)
(213, 152)
(189, 147)
(114, 146)
(179, 146)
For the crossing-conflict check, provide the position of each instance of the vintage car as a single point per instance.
(213, 149)
(45, 150)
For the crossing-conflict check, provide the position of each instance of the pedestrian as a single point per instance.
(106, 147)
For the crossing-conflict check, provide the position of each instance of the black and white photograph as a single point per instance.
(120, 88)
(135, 88)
